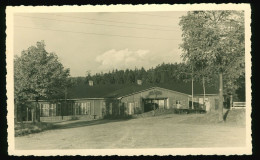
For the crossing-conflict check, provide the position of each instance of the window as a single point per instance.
(110, 108)
(58, 109)
(125, 108)
(103, 108)
(88, 108)
(178, 103)
(77, 109)
(83, 109)
(136, 104)
(53, 110)
(104, 104)
(70, 111)
(45, 110)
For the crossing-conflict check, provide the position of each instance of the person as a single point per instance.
(207, 105)
(178, 103)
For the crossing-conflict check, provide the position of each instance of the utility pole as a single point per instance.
(192, 94)
(154, 102)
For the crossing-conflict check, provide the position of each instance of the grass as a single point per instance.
(22, 129)
(237, 116)
(231, 117)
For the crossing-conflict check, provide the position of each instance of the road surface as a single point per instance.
(165, 131)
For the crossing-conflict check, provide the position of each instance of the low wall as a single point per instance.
(60, 118)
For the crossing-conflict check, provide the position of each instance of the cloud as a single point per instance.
(125, 58)
(121, 59)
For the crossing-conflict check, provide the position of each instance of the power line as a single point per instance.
(95, 23)
(113, 21)
(99, 34)
(150, 15)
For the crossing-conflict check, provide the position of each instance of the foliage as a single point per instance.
(38, 74)
(213, 42)
(160, 74)
(22, 129)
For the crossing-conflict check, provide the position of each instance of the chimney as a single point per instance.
(139, 82)
(90, 83)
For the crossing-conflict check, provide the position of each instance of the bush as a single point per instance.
(22, 129)
(74, 118)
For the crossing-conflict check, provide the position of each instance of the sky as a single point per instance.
(101, 41)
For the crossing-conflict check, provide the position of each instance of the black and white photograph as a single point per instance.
(129, 80)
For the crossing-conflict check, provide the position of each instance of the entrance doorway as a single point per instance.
(151, 104)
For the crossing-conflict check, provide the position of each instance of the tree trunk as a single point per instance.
(36, 116)
(204, 92)
(33, 114)
(192, 95)
(38, 112)
(220, 109)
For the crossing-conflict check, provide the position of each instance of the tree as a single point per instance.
(217, 39)
(38, 74)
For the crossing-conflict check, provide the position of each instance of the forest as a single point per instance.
(162, 73)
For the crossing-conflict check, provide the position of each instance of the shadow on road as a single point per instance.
(81, 123)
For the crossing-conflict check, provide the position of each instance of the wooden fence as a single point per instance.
(238, 105)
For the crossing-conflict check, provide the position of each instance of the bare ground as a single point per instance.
(166, 131)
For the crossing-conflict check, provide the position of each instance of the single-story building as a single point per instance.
(95, 102)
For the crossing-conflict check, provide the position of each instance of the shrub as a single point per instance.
(28, 128)
(74, 118)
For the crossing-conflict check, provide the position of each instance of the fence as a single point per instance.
(238, 105)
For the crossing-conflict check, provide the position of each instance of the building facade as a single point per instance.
(211, 102)
(136, 102)
(156, 97)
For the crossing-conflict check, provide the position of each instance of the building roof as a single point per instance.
(115, 91)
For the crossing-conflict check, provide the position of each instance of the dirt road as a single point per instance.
(152, 132)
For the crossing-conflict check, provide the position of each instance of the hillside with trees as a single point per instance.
(162, 73)
(176, 73)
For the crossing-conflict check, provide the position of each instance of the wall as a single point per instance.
(88, 108)
(213, 101)
(170, 98)
(60, 118)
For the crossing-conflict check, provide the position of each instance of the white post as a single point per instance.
(192, 89)
(231, 101)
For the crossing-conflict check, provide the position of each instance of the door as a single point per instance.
(161, 104)
(131, 108)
